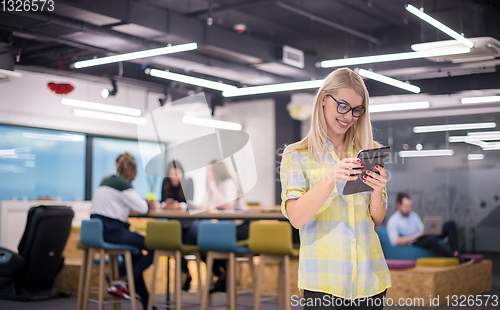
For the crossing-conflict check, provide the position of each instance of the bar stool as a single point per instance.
(83, 268)
(272, 240)
(165, 238)
(219, 240)
(91, 236)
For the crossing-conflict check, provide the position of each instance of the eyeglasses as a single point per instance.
(344, 108)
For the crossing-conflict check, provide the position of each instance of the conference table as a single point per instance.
(253, 213)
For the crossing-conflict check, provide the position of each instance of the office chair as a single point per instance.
(30, 274)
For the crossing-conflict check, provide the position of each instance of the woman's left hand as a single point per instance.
(375, 180)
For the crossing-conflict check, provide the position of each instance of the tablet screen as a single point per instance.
(370, 158)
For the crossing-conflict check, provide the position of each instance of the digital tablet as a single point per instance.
(370, 158)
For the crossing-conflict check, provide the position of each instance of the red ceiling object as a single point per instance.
(61, 88)
(240, 28)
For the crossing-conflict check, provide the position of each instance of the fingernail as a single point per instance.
(364, 181)
(376, 166)
(362, 165)
(359, 160)
(364, 176)
(368, 172)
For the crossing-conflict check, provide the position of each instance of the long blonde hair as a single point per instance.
(360, 133)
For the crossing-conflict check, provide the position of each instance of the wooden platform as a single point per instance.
(424, 282)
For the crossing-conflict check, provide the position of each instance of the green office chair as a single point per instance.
(272, 240)
(166, 239)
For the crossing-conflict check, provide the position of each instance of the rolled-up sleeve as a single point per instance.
(293, 181)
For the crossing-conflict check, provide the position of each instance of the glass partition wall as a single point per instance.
(464, 187)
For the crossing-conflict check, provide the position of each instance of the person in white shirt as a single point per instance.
(223, 193)
(111, 203)
(406, 227)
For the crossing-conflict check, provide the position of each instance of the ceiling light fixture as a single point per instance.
(451, 127)
(200, 121)
(136, 55)
(273, 88)
(189, 79)
(101, 107)
(392, 57)
(492, 147)
(105, 93)
(111, 117)
(485, 99)
(61, 137)
(398, 106)
(420, 14)
(426, 153)
(388, 80)
(485, 135)
(475, 157)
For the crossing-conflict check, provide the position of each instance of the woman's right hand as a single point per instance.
(345, 170)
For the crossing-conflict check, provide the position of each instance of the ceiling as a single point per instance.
(322, 29)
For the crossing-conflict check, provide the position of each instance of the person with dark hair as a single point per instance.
(112, 202)
(406, 227)
(176, 190)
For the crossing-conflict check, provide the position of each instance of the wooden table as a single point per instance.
(254, 213)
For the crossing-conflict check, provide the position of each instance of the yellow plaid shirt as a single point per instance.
(340, 252)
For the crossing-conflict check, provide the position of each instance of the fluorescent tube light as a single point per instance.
(392, 57)
(101, 107)
(410, 8)
(485, 135)
(475, 157)
(388, 80)
(7, 73)
(426, 153)
(485, 99)
(211, 123)
(60, 137)
(398, 106)
(189, 80)
(436, 128)
(273, 88)
(136, 55)
(111, 117)
(457, 139)
(468, 140)
(491, 147)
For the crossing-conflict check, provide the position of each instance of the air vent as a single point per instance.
(293, 57)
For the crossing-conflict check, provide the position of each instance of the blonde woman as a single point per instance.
(341, 260)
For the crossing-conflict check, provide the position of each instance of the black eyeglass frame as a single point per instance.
(350, 108)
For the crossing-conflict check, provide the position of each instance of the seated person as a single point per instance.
(222, 193)
(112, 202)
(176, 191)
(406, 227)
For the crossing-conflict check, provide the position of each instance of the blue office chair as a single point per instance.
(91, 236)
(219, 240)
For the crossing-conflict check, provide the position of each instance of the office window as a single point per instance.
(39, 163)
(104, 154)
